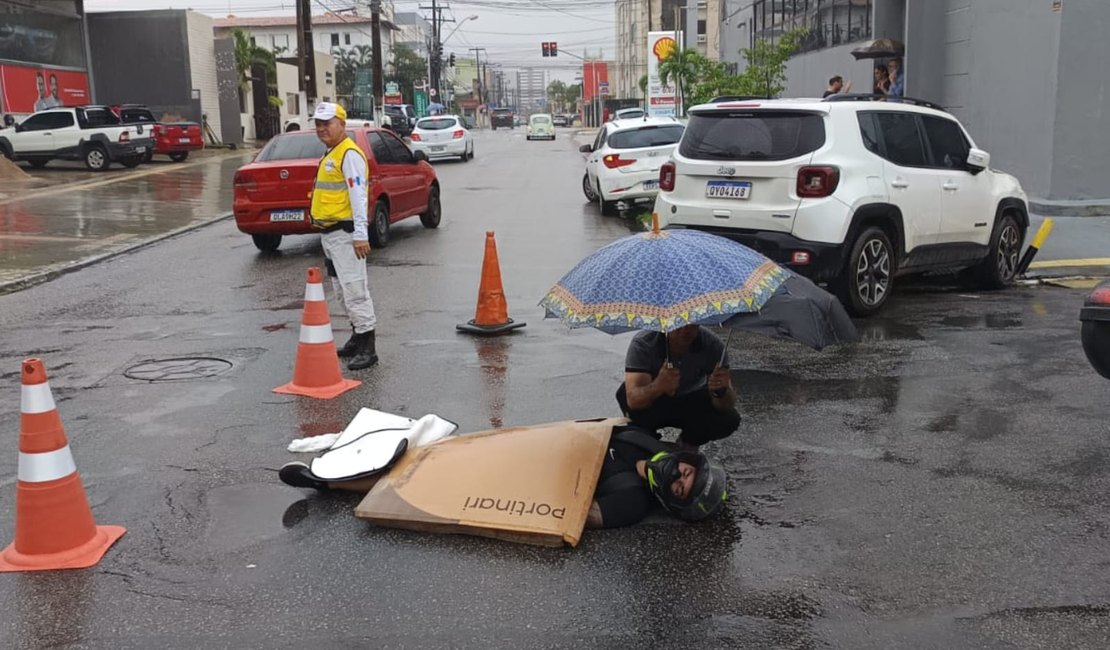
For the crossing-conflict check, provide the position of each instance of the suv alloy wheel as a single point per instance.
(999, 267)
(868, 276)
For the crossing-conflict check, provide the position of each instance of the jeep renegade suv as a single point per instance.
(847, 191)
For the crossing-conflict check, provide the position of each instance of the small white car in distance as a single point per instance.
(624, 160)
(541, 127)
(442, 136)
(847, 190)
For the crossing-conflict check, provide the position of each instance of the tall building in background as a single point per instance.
(700, 21)
(531, 88)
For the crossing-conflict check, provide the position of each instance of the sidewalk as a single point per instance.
(48, 229)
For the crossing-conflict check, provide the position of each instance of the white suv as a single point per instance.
(92, 134)
(624, 160)
(847, 191)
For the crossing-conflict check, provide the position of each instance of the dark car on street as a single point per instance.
(501, 117)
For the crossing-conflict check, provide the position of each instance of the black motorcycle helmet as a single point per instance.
(710, 489)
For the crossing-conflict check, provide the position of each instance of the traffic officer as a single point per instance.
(339, 204)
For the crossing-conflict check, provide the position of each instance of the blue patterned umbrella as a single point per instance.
(663, 280)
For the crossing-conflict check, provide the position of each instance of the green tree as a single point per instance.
(684, 67)
(408, 68)
(643, 83)
(247, 55)
(348, 61)
(765, 75)
(557, 95)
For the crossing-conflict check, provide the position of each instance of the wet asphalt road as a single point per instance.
(940, 485)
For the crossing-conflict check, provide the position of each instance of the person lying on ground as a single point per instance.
(641, 474)
(680, 380)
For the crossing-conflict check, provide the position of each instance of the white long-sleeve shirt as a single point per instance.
(354, 170)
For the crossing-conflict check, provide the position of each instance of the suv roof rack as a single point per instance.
(870, 97)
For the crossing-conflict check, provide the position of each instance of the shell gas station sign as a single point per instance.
(661, 99)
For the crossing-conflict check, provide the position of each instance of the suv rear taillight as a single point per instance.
(458, 134)
(817, 182)
(125, 137)
(666, 177)
(614, 160)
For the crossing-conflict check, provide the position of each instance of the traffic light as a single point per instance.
(546, 48)
(554, 48)
(451, 60)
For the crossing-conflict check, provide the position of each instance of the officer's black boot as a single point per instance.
(366, 355)
(350, 347)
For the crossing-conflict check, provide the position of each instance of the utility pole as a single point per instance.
(435, 56)
(306, 58)
(478, 63)
(376, 52)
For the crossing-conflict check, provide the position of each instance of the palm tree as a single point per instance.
(643, 83)
(248, 54)
(683, 67)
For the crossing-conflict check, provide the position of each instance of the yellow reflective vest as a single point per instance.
(330, 201)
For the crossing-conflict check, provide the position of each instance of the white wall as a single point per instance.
(202, 65)
(287, 85)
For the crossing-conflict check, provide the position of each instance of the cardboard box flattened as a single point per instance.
(528, 484)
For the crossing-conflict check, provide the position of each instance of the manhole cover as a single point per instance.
(180, 369)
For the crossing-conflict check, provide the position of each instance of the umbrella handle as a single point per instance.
(724, 350)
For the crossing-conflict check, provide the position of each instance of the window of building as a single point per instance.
(335, 39)
(253, 41)
(346, 38)
(293, 103)
(701, 27)
(830, 22)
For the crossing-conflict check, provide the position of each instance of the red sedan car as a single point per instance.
(272, 191)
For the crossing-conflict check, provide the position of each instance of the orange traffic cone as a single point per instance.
(316, 372)
(492, 314)
(54, 527)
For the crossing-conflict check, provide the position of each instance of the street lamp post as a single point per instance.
(439, 70)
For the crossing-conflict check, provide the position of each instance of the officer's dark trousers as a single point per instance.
(693, 414)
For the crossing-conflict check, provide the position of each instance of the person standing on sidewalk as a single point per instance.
(338, 210)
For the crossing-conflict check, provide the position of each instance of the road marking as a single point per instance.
(1085, 261)
(125, 176)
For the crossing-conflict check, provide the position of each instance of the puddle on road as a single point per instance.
(241, 515)
(988, 321)
(761, 386)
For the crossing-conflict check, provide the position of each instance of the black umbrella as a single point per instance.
(880, 48)
(801, 311)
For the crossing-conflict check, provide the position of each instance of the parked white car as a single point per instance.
(90, 134)
(628, 114)
(442, 136)
(624, 160)
(847, 191)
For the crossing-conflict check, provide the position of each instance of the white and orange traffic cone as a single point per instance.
(316, 372)
(54, 526)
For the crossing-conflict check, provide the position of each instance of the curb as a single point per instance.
(1070, 208)
(41, 277)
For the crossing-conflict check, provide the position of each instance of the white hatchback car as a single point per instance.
(624, 160)
(442, 136)
(847, 190)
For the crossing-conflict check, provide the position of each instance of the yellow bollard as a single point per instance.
(1038, 241)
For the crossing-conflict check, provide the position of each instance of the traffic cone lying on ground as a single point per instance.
(492, 314)
(54, 527)
(316, 371)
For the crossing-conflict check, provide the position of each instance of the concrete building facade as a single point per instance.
(531, 88)
(699, 20)
(1026, 77)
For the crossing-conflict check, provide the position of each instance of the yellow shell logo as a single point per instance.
(663, 48)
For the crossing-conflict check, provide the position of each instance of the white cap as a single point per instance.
(328, 110)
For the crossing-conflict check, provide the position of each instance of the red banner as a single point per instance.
(28, 89)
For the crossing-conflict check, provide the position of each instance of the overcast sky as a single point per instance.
(510, 30)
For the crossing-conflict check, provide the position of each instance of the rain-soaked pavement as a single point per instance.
(940, 485)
